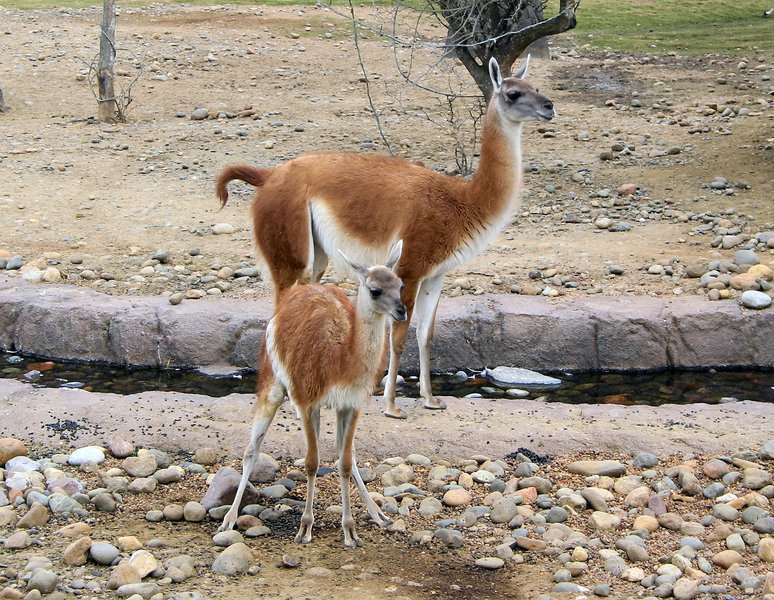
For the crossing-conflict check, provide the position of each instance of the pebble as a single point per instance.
(199, 114)
(43, 581)
(89, 454)
(194, 512)
(223, 229)
(755, 300)
(11, 448)
(103, 553)
(491, 562)
(457, 497)
(233, 560)
(610, 468)
(140, 466)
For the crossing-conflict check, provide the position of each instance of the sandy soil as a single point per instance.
(104, 198)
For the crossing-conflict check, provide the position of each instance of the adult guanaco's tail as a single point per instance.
(252, 175)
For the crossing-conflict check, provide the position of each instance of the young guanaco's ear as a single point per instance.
(522, 72)
(394, 256)
(360, 270)
(495, 76)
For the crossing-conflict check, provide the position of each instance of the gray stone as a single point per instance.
(223, 489)
(645, 460)
(450, 537)
(103, 553)
(227, 538)
(764, 525)
(233, 560)
(594, 498)
(745, 257)
(503, 511)
(725, 512)
(509, 377)
(144, 590)
(610, 468)
(199, 114)
(755, 300)
(557, 514)
(43, 580)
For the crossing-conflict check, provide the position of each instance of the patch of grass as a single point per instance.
(681, 26)
(640, 26)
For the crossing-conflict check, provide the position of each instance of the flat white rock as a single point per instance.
(509, 377)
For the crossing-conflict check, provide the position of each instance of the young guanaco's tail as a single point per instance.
(252, 175)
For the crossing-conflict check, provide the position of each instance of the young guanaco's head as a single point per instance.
(517, 99)
(380, 287)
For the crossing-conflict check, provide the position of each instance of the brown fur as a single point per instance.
(375, 200)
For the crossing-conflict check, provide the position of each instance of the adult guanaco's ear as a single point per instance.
(495, 76)
(361, 271)
(394, 256)
(522, 72)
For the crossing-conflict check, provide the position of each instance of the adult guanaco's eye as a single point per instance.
(402, 287)
(375, 292)
(513, 95)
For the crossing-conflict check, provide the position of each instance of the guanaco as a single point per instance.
(322, 351)
(308, 207)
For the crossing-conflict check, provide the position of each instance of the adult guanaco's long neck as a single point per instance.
(496, 187)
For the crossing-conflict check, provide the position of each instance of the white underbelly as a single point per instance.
(332, 238)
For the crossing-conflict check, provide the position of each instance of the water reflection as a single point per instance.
(630, 388)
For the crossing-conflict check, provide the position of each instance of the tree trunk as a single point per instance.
(533, 13)
(107, 59)
(3, 106)
(500, 30)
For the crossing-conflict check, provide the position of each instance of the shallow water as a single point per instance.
(648, 388)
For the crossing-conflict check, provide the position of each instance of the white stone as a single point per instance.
(508, 377)
(87, 454)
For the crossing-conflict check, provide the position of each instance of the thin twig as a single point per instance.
(377, 117)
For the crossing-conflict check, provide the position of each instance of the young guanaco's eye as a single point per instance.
(513, 95)
(402, 287)
(375, 292)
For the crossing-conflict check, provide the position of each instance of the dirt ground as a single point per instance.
(85, 196)
(99, 198)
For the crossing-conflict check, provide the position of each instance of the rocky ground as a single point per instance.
(99, 521)
(536, 508)
(655, 179)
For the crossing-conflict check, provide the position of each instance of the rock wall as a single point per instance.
(72, 323)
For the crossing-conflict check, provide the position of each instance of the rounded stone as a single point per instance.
(490, 562)
(726, 558)
(755, 300)
(233, 560)
(194, 512)
(103, 553)
(88, 454)
(457, 497)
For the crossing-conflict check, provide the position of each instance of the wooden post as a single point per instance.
(107, 59)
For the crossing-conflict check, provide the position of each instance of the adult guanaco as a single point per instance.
(308, 207)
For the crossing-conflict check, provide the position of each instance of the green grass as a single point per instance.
(681, 26)
(640, 26)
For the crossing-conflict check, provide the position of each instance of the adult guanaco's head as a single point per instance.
(380, 287)
(517, 99)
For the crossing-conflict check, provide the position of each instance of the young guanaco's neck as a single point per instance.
(368, 328)
(496, 186)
